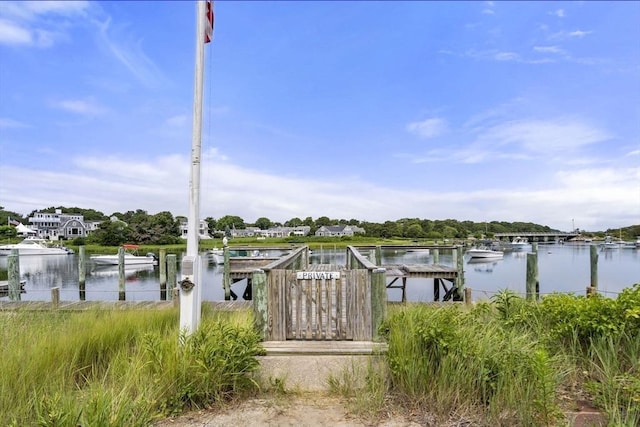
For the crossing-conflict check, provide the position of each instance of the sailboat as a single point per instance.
(190, 286)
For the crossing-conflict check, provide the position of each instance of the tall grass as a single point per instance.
(118, 367)
(447, 360)
(505, 362)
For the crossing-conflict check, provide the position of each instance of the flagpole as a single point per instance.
(190, 288)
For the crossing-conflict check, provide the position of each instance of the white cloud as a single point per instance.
(506, 56)
(13, 34)
(549, 49)
(10, 123)
(178, 121)
(130, 54)
(543, 136)
(558, 12)
(592, 196)
(29, 23)
(429, 128)
(563, 35)
(86, 107)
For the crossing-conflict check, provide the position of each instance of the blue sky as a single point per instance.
(509, 111)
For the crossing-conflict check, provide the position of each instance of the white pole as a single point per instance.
(190, 292)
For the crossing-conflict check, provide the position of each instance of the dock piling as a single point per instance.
(121, 289)
(594, 266)
(533, 285)
(55, 297)
(82, 273)
(13, 271)
(162, 272)
(172, 266)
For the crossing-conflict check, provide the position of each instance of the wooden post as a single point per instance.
(13, 272)
(378, 300)
(436, 256)
(594, 266)
(321, 254)
(121, 289)
(162, 267)
(436, 289)
(533, 286)
(226, 282)
(176, 297)
(534, 247)
(55, 297)
(378, 255)
(172, 267)
(82, 273)
(467, 296)
(591, 291)
(260, 306)
(459, 296)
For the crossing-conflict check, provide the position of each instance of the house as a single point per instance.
(279, 231)
(338, 230)
(203, 230)
(59, 225)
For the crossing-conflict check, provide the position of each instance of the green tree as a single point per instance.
(263, 223)
(323, 220)
(8, 231)
(293, 222)
(110, 233)
(212, 223)
(414, 231)
(230, 222)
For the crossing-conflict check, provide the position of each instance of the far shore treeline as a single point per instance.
(163, 228)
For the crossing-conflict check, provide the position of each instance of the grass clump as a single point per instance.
(515, 362)
(118, 367)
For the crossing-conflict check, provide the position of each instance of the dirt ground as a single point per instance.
(311, 410)
(284, 411)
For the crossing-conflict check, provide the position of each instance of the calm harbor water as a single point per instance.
(562, 268)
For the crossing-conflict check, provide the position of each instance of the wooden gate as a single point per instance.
(322, 307)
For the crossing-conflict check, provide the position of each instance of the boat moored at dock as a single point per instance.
(34, 246)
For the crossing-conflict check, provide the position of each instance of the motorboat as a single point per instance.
(131, 257)
(216, 255)
(609, 243)
(113, 270)
(34, 246)
(483, 252)
(519, 243)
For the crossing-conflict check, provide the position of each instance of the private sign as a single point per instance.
(304, 275)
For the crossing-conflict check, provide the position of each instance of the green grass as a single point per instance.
(505, 362)
(118, 367)
(510, 361)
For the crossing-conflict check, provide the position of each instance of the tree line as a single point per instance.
(163, 228)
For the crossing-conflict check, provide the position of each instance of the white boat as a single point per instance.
(609, 243)
(113, 270)
(34, 246)
(484, 253)
(216, 255)
(519, 243)
(131, 257)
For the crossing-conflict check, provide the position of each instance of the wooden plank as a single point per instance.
(308, 309)
(318, 334)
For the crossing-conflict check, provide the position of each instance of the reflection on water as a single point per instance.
(562, 268)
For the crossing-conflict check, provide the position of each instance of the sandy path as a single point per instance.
(288, 410)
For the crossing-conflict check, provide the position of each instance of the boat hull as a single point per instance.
(484, 254)
(128, 260)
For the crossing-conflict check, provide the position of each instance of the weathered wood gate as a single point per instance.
(297, 301)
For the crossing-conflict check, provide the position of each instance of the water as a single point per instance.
(562, 268)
